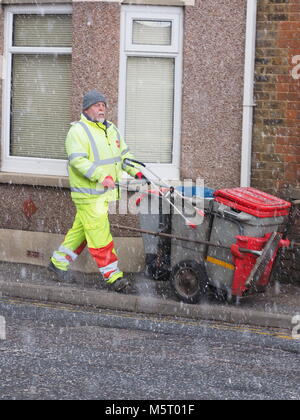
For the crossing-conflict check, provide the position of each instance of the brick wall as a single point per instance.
(276, 133)
(276, 147)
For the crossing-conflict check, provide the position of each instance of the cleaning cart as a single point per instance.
(231, 248)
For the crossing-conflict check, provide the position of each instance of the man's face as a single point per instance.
(97, 112)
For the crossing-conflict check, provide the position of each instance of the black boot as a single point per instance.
(121, 285)
(60, 275)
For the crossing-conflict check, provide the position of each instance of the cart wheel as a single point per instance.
(189, 281)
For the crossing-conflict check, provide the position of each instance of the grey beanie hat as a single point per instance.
(91, 98)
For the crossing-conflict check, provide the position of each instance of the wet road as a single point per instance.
(63, 352)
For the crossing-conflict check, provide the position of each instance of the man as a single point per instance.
(96, 152)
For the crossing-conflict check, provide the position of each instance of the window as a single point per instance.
(150, 85)
(37, 89)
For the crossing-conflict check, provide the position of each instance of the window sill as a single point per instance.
(39, 180)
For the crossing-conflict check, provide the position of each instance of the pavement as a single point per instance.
(275, 308)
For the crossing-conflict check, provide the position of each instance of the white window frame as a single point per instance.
(128, 49)
(20, 164)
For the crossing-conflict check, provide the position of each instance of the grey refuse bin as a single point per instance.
(245, 212)
(240, 212)
(155, 215)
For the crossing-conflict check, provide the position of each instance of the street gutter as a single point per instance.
(145, 305)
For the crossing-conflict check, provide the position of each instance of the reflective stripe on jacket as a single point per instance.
(95, 151)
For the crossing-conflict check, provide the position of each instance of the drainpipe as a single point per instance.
(248, 103)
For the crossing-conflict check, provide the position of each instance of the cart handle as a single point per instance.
(134, 161)
(172, 190)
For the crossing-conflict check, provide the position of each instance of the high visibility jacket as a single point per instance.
(95, 151)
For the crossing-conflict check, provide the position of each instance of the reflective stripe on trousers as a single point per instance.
(65, 256)
(107, 262)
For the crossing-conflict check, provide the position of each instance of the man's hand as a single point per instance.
(108, 182)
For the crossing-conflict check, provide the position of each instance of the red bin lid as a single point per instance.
(253, 201)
